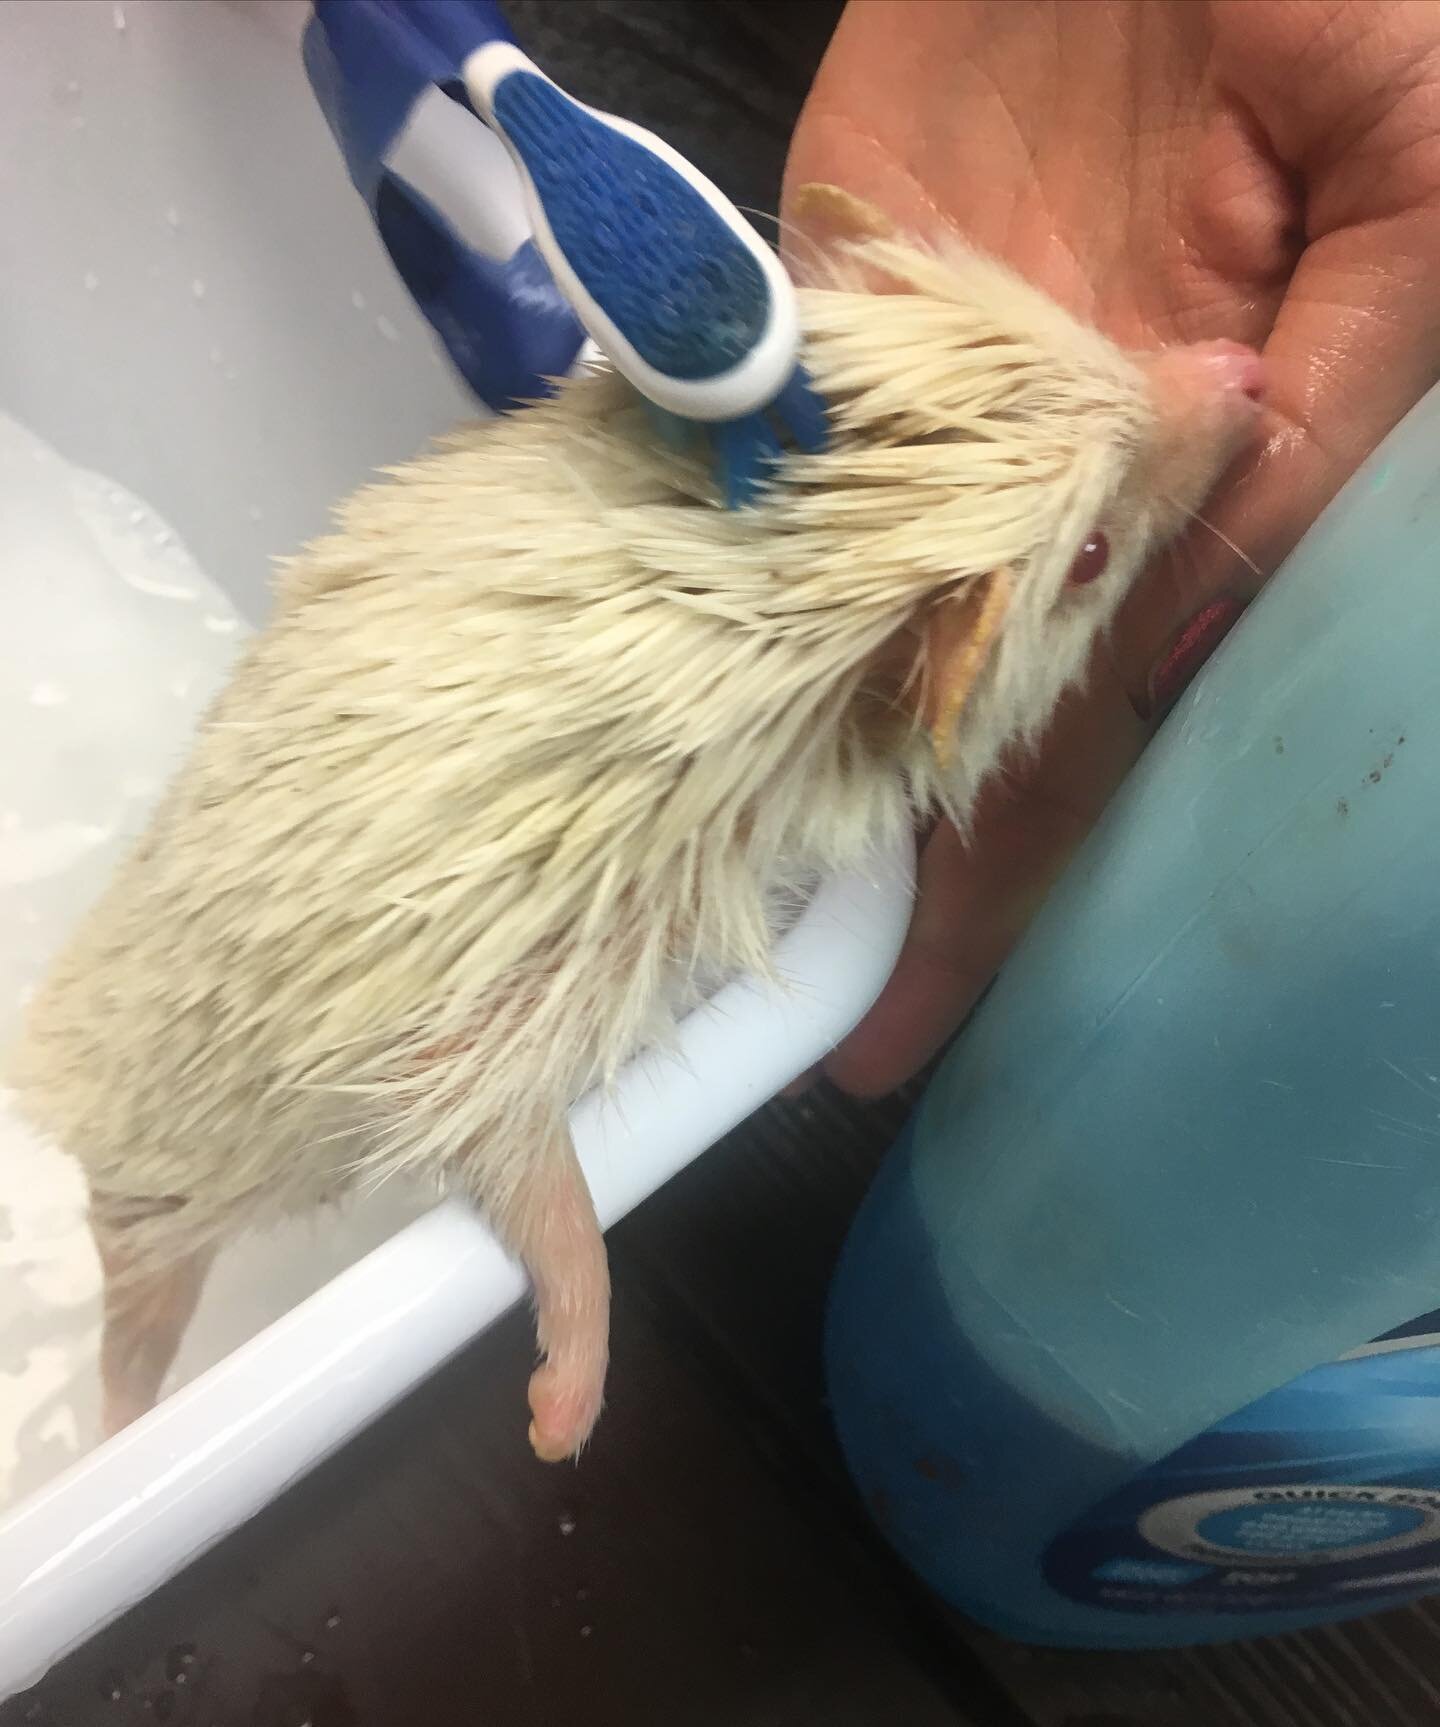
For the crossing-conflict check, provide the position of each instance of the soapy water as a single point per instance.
(114, 643)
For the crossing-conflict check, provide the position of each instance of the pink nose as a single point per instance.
(1232, 367)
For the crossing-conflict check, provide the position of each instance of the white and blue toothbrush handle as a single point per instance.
(586, 227)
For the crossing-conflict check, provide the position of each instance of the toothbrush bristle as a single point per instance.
(746, 450)
(801, 407)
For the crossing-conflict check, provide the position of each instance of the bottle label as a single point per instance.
(1323, 1493)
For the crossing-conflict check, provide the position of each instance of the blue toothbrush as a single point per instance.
(662, 272)
(670, 281)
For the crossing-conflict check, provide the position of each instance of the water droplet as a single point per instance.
(582, 1594)
(136, 517)
(218, 625)
(216, 356)
(92, 281)
(163, 537)
(112, 1685)
(117, 17)
(357, 299)
(172, 218)
(197, 288)
(585, 1630)
(231, 374)
(306, 1657)
(255, 513)
(387, 329)
(332, 1623)
(567, 1523)
(48, 696)
(77, 121)
(72, 89)
(179, 1661)
(180, 688)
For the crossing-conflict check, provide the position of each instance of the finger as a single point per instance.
(1174, 620)
(1355, 347)
(976, 896)
(1356, 342)
(951, 950)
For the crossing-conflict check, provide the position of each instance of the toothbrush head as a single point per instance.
(670, 281)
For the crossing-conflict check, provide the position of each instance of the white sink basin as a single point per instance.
(204, 331)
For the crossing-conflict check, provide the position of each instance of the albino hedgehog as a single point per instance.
(538, 746)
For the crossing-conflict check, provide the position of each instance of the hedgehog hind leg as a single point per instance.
(152, 1283)
(548, 1220)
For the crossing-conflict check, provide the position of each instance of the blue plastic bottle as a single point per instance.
(1136, 1342)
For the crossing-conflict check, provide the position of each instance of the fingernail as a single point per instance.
(1188, 651)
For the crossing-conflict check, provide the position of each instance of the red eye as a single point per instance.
(1090, 560)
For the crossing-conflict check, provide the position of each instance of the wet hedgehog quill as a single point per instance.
(541, 743)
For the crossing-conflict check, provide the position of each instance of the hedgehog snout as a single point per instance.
(1207, 399)
(1209, 391)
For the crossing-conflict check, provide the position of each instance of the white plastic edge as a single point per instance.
(765, 370)
(122, 1520)
(453, 161)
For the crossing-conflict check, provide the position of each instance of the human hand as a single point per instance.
(1263, 170)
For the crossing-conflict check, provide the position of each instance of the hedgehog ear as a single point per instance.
(831, 213)
(957, 637)
(836, 224)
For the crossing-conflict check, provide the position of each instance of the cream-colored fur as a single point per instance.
(540, 739)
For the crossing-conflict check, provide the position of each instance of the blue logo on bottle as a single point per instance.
(1325, 1491)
